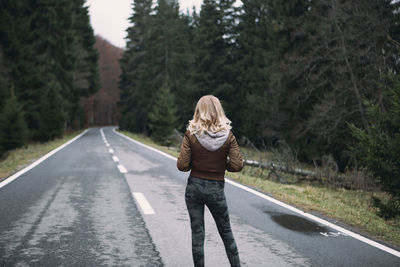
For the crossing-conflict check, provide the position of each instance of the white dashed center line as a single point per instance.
(115, 159)
(143, 203)
(111, 150)
(122, 168)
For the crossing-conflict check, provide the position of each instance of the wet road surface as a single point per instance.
(106, 201)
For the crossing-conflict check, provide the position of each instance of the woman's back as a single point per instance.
(208, 155)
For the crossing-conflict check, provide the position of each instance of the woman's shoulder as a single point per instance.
(191, 137)
(232, 137)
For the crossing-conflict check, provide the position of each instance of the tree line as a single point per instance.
(319, 75)
(47, 63)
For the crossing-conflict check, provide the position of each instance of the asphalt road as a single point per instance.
(104, 200)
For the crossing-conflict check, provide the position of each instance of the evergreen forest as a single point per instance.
(48, 62)
(318, 75)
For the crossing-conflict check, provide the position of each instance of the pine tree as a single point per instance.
(4, 79)
(252, 63)
(158, 55)
(40, 58)
(45, 39)
(280, 111)
(13, 129)
(86, 79)
(51, 113)
(15, 31)
(78, 72)
(163, 116)
(134, 65)
(171, 55)
(378, 150)
(210, 49)
(214, 44)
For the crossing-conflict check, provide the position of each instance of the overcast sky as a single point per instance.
(109, 18)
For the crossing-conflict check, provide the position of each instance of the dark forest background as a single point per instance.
(297, 71)
(319, 76)
(55, 75)
(48, 63)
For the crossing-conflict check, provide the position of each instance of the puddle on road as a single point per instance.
(297, 223)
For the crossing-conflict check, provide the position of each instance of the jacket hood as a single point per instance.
(212, 141)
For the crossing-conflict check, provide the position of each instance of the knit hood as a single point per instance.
(212, 141)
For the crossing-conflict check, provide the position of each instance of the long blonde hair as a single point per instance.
(208, 116)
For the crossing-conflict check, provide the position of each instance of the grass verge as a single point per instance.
(351, 207)
(19, 158)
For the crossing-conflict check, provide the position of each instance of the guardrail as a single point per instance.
(338, 179)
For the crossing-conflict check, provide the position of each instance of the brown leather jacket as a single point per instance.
(209, 164)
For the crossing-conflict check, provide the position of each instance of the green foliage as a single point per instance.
(378, 148)
(253, 56)
(292, 71)
(163, 116)
(135, 75)
(157, 55)
(13, 129)
(51, 112)
(47, 47)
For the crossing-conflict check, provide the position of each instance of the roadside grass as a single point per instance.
(350, 207)
(19, 158)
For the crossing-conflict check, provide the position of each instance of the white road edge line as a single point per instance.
(143, 203)
(121, 168)
(317, 219)
(284, 205)
(115, 159)
(40, 160)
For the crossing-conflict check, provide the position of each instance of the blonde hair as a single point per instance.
(208, 116)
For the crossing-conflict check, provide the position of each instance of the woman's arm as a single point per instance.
(184, 158)
(235, 163)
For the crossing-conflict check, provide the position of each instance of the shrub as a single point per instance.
(378, 148)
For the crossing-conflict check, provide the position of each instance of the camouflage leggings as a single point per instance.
(200, 192)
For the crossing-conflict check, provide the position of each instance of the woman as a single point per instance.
(206, 146)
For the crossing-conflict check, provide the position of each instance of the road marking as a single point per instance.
(103, 136)
(115, 159)
(284, 205)
(143, 203)
(122, 168)
(111, 150)
(332, 234)
(107, 144)
(40, 160)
